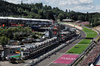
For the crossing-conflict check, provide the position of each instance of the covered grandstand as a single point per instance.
(92, 57)
(12, 21)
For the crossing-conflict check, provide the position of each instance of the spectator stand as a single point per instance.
(85, 52)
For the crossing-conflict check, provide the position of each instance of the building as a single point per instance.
(67, 20)
(12, 21)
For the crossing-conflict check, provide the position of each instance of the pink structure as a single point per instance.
(66, 59)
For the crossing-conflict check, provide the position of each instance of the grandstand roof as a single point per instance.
(14, 18)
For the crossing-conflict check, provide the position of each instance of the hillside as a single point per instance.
(28, 10)
(37, 10)
(7, 9)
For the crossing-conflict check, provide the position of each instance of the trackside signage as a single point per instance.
(66, 59)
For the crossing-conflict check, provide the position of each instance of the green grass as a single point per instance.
(85, 41)
(90, 33)
(77, 49)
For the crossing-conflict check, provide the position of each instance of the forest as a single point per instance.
(40, 11)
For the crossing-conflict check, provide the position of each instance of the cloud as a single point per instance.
(59, 2)
(76, 2)
(63, 2)
(97, 7)
(88, 7)
(86, 1)
(76, 5)
(14, 1)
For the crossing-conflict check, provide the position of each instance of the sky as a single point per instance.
(75, 5)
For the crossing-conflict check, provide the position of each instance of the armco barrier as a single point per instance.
(84, 53)
(32, 63)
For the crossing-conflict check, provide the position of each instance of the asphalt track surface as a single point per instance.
(49, 61)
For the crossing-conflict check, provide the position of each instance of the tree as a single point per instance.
(14, 29)
(4, 40)
(34, 10)
(95, 21)
(28, 30)
(61, 16)
(38, 5)
(66, 11)
(16, 36)
(38, 16)
(81, 17)
(40, 13)
(20, 10)
(87, 16)
(9, 33)
(0, 31)
(49, 15)
(4, 32)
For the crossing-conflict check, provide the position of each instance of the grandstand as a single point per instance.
(92, 56)
(12, 21)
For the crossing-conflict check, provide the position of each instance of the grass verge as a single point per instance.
(77, 49)
(85, 41)
(89, 32)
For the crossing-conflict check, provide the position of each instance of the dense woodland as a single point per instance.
(37, 10)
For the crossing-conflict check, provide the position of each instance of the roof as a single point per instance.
(13, 46)
(67, 20)
(67, 32)
(13, 18)
(29, 45)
